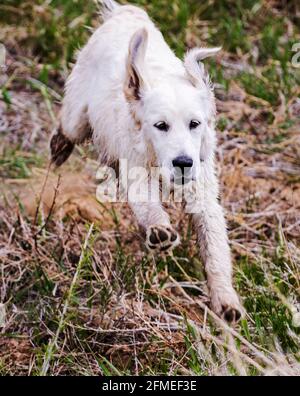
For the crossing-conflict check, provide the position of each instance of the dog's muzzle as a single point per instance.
(183, 169)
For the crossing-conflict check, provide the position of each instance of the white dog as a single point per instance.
(140, 102)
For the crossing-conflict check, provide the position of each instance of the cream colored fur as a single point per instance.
(126, 80)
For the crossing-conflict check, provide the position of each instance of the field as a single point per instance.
(79, 294)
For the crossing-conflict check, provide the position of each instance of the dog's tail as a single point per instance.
(107, 7)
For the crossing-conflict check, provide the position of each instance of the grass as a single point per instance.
(79, 294)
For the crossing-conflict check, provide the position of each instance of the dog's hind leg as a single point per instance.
(61, 147)
(74, 129)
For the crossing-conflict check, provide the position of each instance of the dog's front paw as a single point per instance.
(226, 304)
(161, 238)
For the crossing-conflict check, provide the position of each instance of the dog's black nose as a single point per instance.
(182, 162)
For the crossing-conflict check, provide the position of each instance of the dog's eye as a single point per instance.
(194, 124)
(162, 126)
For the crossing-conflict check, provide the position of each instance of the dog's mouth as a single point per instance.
(176, 177)
(180, 180)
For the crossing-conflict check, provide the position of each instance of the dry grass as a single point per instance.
(79, 293)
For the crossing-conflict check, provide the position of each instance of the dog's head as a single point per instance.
(175, 114)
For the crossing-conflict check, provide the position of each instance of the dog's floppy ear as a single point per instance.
(136, 71)
(200, 79)
(208, 144)
(195, 68)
